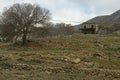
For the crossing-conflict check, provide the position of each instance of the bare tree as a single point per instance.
(22, 18)
(63, 29)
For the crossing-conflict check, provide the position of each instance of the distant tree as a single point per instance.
(40, 32)
(6, 32)
(69, 29)
(43, 31)
(65, 29)
(50, 29)
(60, 28)
(19, 20)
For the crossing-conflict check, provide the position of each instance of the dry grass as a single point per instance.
(75, 57)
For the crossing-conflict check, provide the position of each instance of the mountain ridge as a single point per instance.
(111, 19)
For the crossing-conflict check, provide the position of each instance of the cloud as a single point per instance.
(72, 11)
(72, 15)
(4, 3)
(105, 6)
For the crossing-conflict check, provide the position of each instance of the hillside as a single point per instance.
(74, 57)
(106, 19)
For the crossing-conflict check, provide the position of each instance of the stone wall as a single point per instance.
(89, 28)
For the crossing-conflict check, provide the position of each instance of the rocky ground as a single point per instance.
(76, 57)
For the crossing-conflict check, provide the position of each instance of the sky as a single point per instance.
(71, 11)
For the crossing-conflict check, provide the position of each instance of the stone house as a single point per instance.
(99, 23)
(89, 28)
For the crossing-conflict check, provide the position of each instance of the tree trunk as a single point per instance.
(24, 39)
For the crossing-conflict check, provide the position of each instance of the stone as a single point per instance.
(76, 61)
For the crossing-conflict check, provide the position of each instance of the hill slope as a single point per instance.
(107, 19)
(75, 57)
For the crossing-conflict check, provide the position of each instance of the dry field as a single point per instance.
(75, 57)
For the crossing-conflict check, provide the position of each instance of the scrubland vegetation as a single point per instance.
(33, 48)
(72, 57)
